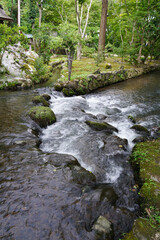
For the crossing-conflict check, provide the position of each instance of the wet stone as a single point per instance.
(103, 227)
(100, 126)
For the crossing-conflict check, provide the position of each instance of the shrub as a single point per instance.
(42, 72)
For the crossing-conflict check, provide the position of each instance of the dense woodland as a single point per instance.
(79, 28)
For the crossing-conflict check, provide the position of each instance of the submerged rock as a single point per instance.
(44, 116)
(112, 111)
(103, 228)
(139, 139)
(100, 126)
(140, 129)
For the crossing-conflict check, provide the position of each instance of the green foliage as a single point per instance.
(8, 36)
(42, 71)
(88, 51)
(44, 38)
(99, 58)
(9, 85)
(69, 36)
(133, 29)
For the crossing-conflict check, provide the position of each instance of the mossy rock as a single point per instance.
(40, 100)
(58, 86)
(100, 126)
(132, 119)
(68, 92)
(140, 128)
(142, 229)
(44, 116)
(81, 90)
(108, 66)
(46, 96)
(146, 156)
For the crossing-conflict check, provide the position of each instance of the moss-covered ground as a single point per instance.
(147, 156)
(145, 160)
(86, 66)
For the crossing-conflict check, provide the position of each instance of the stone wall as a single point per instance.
(100, 79)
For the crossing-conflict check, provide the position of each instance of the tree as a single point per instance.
(44, 40)
(133, 29)
(40, 7)
(102, 33)
(19, 13)
(68, 39)
(79, 6)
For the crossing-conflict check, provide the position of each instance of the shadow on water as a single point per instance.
(46, 193)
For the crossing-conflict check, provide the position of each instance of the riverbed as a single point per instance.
(41, 196)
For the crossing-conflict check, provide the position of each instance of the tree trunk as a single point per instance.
(19, 14)
(79, 51)
(140, 50)
(102, 34)
(79, 16)
(40, 14)
(70, 59)
(140, 54)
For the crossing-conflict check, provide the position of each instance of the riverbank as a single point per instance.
(145, 160)
(22, 69)
(93, 77)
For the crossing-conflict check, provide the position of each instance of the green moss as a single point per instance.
(146, 156)
(142, 229)
(108, 66)
(81, 90)
(44, 116)
(86, 66)
(131, 118)
(2, 86)
(31, 61)
(12, 85)
(100, 126)
(68, 92)
(26, 68)
(40, 100)
(9, 85)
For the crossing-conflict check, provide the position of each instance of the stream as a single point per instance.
(56, 186)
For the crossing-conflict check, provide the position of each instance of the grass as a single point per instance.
(57, 58)
(86, 66)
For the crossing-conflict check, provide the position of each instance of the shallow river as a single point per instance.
(47, 195)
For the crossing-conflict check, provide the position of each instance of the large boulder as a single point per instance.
(44, 116)
(18, 61)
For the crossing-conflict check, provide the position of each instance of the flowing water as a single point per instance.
(45, 193)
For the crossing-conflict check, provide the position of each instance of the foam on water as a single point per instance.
(114, 103)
